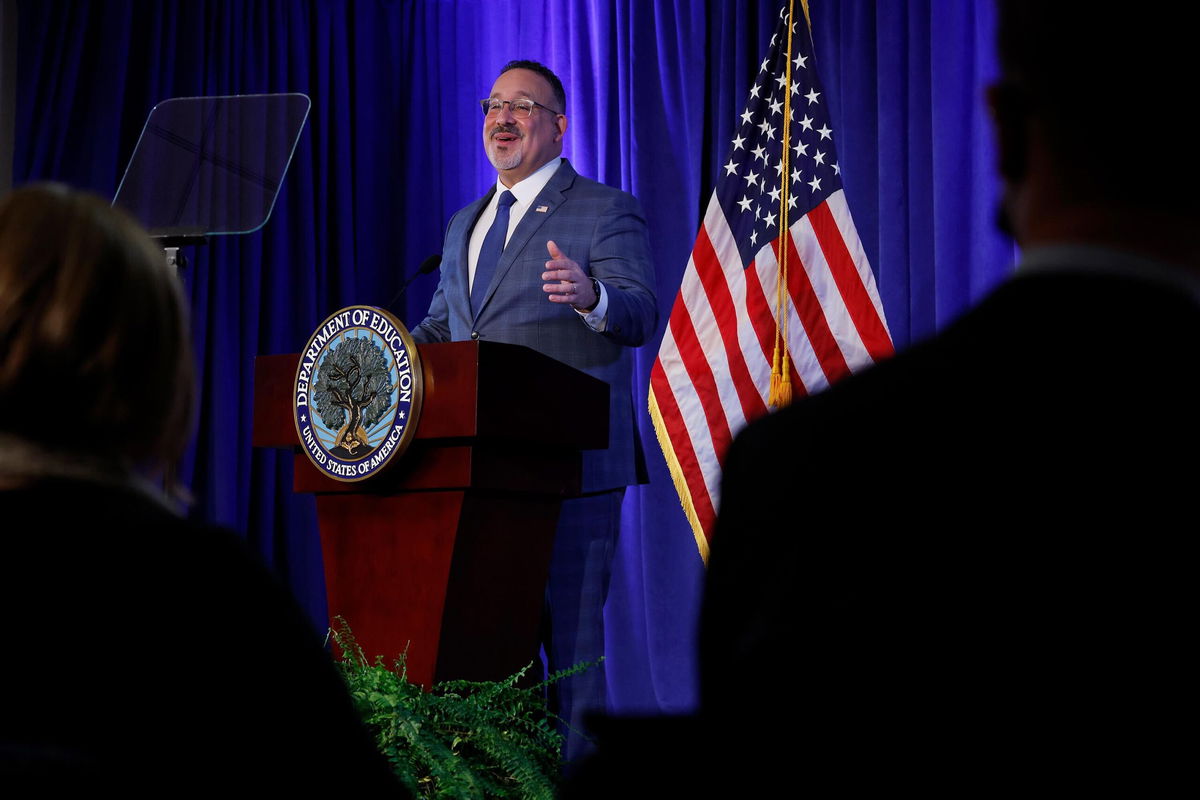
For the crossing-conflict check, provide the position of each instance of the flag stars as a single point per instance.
(774, 38)
(763, 200)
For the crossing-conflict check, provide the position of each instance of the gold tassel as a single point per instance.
(784, 395)
(775, 394)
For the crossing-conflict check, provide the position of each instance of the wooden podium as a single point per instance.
(447, 553)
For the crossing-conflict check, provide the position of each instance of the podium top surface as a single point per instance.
(473, 390)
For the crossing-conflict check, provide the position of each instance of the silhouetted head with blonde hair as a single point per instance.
(95, 356)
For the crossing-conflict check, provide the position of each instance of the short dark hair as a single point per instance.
(556, 86)
(1085, 69)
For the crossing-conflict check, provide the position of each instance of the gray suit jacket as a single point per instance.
(604, 230)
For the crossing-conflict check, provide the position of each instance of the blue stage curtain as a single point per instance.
(393, 147)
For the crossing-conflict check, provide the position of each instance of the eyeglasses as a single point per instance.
(520, 109)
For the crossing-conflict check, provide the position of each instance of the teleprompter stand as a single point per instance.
(210, 166)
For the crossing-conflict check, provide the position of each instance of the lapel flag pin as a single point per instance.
(542, 209)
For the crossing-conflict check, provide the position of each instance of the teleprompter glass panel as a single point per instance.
(207, 166)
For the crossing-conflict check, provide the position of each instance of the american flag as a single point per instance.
(713, 370)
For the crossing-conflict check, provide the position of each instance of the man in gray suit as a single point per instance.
(559, 263)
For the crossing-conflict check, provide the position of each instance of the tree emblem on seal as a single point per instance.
(352, 393)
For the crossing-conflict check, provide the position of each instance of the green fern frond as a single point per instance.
(461, 739)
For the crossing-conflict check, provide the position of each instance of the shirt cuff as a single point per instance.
(597, 318)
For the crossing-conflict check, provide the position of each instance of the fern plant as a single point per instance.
(461, 739)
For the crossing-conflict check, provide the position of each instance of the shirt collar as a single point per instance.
(1094, 259)
(532, 185)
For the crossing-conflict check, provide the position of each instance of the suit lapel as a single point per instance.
(552, 196)
(470, 217)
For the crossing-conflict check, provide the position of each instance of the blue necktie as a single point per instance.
(489, 254)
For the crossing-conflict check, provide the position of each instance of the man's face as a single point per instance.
(517, 147)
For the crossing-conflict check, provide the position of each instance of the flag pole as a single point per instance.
(780, 393)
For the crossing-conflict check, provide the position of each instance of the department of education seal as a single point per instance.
(357, 394)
